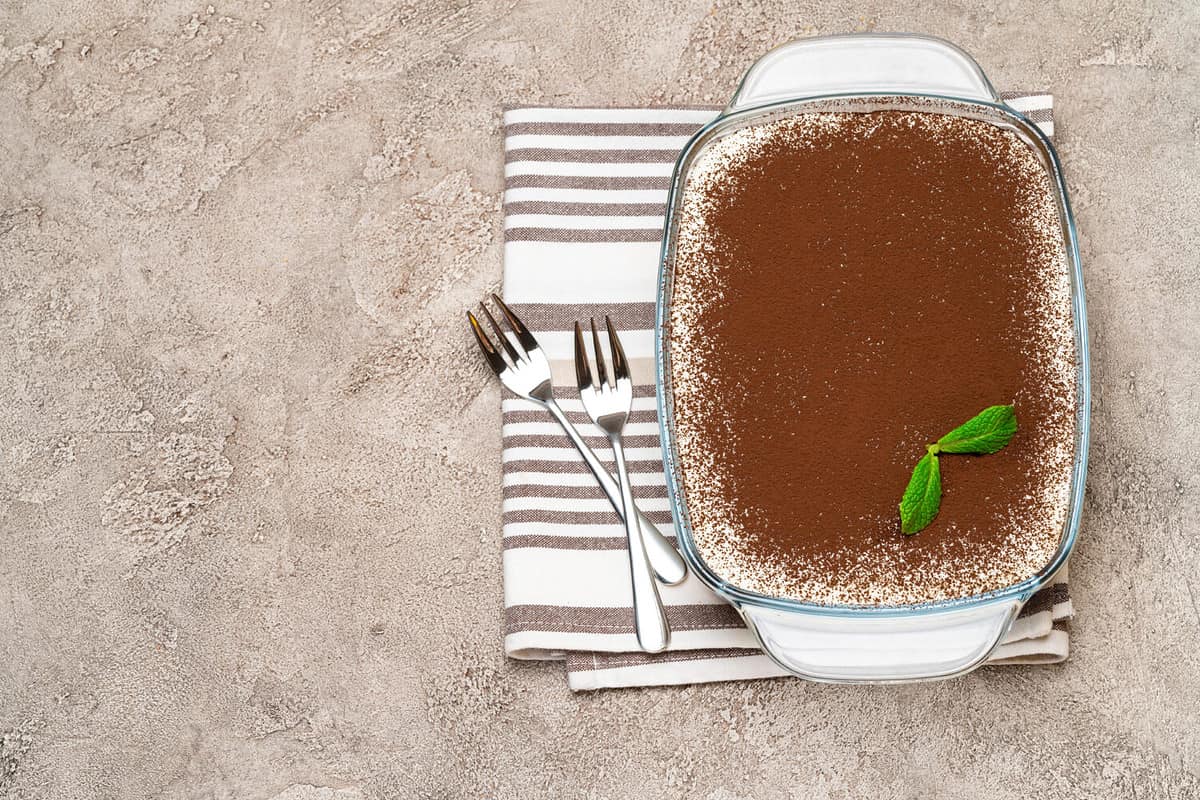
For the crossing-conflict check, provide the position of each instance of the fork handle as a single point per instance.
(649, 616)
(664, 559)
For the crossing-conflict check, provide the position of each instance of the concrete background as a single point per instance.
(249, 478)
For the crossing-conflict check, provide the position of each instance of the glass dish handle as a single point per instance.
(862, 64)
(936, 644)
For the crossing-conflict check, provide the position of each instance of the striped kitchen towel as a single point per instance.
(585, 192)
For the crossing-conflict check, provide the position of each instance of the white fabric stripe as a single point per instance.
(560, 345)
(526, 194)
(654, 169)
(1063, 610)
(552, 428)
(1031, 627)
(1045, 127)
(585, 578)
(536, 479)
(1052, 648)
(543, 646)
(582, 222)
(583, 142)
(1032, 102)
(569, 453)
(571, 403)
(532, 502)
(575, 272)
(676, 673)
(611, 531)
(650, 115)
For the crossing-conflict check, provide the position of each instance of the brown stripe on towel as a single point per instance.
(590, 492)
(573, 156)
(601, 182)
(1046, 599)
(596, 442)
(586, 209)
(589, 235)
(1010, 94)
(548, 542)
(593, 619)
(576, 517)
(570, 392)
(601, 128)
(588, 662)
(540, 317)
(576, 417)
(506, 107)
(576, 466)
(1039, 114)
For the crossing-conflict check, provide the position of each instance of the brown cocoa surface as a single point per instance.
(880, 285)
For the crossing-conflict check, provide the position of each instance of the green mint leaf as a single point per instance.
(923, 496)
(989, 431)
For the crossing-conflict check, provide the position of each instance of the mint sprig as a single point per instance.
(985, 433)
(989, 431)
(923, 495)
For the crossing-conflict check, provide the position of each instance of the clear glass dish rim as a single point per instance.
(1021, 591)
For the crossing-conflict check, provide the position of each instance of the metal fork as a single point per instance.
(608, 404)
(526, 372)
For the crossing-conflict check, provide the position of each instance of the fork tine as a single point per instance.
(523, 335)
(508, 348)
(583, 373)
(620, 363)
(489, 350)
(601, 370)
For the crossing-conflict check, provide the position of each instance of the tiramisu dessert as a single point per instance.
(848, 287)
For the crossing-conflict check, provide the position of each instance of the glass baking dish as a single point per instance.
(871, 644)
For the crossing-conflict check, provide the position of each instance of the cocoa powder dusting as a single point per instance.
(848, 288)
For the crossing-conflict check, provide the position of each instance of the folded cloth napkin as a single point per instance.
(585, 193)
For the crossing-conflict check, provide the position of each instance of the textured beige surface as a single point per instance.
(249, 472)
